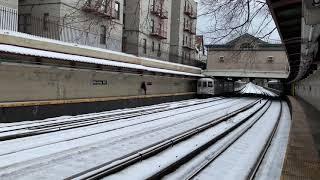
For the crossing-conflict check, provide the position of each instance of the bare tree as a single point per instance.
(87, 16)
(230, 18)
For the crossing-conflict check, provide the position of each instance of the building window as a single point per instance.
(45, 21)
(117, 10)
(152, 46)
(221, 59)
(270, 59)
(183, 40)
(152, 25)
(124, 44)
(103, 35)
(124, 21)
(145, 46)
(159, 50)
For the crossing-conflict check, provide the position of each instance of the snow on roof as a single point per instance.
(69, 57)
(251, 88)
(32, 37)
(206, 79)
(273, 81)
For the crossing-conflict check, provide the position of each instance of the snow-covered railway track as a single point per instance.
(254, 169)
(29, 124)
(131, 123)
(123, 162)
(32, 129)
(238, 157)
(177, 159)
(59, 155)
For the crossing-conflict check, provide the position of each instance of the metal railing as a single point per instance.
(158, 10)
(159, 32)
(8, 18)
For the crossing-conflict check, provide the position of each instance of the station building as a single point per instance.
(247, 56)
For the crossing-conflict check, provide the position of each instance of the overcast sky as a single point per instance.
(204, 23)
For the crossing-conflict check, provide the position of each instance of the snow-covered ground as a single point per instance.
(61, 154)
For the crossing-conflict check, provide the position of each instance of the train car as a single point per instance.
(205, 87)
(274, 84)
(238, 85)
(208, 87)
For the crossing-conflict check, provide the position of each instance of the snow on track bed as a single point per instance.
(22, 159)
(180, 152)
(238, 160)
(233, 156)
(27, 124)
(19, 130)
(95, 133)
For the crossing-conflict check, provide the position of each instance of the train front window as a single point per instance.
(199, 84)
(204, 84)
(210, 84)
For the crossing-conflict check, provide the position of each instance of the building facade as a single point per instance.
(147, 28)
(247, 56)
(183, 30)
(97, 23)
(200, 49)
(9, 14)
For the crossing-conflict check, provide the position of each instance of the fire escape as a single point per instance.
(189, 11)
(159, 27)
(101, 8)
(188, 25)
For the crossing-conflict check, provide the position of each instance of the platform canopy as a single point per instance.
(295, 21)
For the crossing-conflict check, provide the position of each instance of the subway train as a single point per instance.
(274, 84)
(207, 87)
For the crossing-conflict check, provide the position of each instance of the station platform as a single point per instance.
(302, 156)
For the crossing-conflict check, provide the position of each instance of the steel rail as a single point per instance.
(195, 172)
(194, 153)
(129, 159)
(96, 133)
(253, 171)
(91, 122)
(83, 117)
(266, 146)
